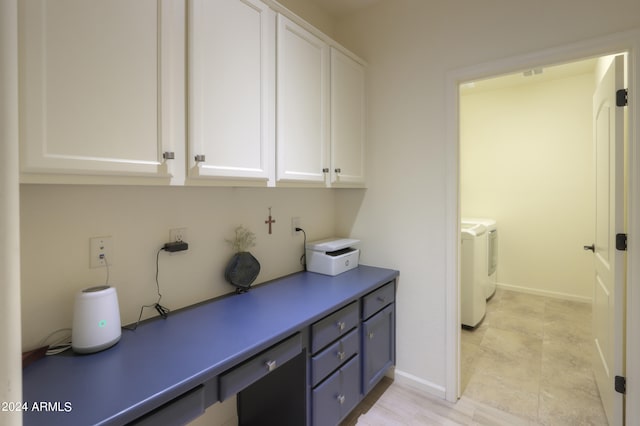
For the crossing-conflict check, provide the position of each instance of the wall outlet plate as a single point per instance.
(177, 235)
(295, 223)
(100, 251)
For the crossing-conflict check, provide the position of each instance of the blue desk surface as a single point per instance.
(162, 359)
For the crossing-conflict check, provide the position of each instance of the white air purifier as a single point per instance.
(96, 320)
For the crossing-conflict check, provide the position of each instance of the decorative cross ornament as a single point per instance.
(270, 221)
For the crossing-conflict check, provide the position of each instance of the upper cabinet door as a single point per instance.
(302, 99)
(347, 120)
(94, 86)
(231, 89)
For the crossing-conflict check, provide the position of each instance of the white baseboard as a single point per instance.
(415, 382)
(547, 293)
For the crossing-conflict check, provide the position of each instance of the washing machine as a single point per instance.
(491, 238)
(473, 255)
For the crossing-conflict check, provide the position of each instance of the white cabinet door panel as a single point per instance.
(347, 120)
(302, 104)
(91, 92)
(231, 88)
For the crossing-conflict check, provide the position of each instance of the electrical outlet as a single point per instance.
(178, 235)
(100, 251)
(295, 223)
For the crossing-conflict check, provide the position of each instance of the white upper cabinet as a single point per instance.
(231, 89)
(96, 93)
(200, 92)
(347, 120)
(302, 105)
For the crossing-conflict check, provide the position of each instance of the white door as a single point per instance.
(231, 88)
(608, 290)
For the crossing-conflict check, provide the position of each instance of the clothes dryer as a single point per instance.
(473, 303)
(491, 239)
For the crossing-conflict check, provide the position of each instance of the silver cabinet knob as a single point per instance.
(200, 158)
(325, 170)
(341, 355)
(370, 335)
(340, 325)
(271, 365)
(168, 155)
(341, 399)
(338, 170)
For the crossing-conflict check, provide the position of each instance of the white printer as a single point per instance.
(332, 256)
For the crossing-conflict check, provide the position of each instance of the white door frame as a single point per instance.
(621, 42)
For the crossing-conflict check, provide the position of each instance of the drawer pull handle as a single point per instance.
(271, 365)
(370, 335)
(341, 399)
(341, 325)
(341, 355)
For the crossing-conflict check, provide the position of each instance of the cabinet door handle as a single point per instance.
(168, 155)
(340, 325)
(200, 158)
(338, 170)
(271, 365)
(370, 335)
(325, 170)
(341, 399)
(341, 355)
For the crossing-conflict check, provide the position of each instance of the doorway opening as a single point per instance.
(628, 42)
(526, 161)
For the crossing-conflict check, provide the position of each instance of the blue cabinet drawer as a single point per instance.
(334, 326)
(335, 355)
(378, 299)
(178, 411)
(238, 378)
(334, 398)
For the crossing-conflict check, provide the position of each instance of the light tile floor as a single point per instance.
(531, 356)
(528, 363)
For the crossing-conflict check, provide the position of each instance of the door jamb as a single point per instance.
(621, 42)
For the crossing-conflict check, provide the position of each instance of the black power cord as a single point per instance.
(162, 311)
(303, 258)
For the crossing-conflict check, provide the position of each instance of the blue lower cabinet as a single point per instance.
(334, 398)
(378, 347)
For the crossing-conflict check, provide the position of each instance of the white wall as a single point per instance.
(57, 222)
(10, 362)
(526, 160)
(410, 47)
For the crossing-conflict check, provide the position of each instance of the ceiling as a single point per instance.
(555, 72)
(339, 8)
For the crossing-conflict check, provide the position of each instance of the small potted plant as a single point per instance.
(243, 268)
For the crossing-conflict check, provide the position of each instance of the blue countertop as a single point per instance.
(163, 359)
